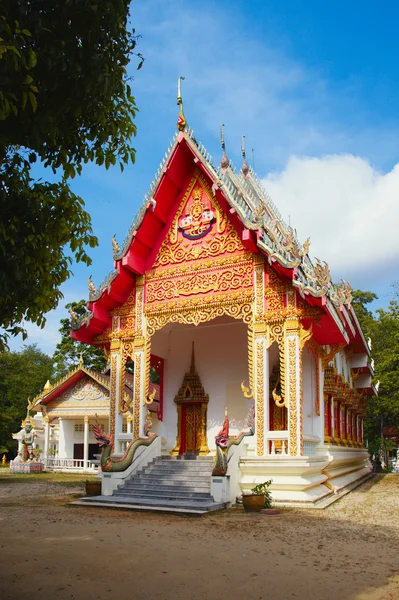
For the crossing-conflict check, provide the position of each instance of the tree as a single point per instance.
(360, 303)
(383, 329)
(69, 350)
(65, 100)
(22, 375)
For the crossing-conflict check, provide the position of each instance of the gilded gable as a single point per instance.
(200, 229)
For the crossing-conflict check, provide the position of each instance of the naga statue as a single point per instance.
(224, 442)
(106, 442)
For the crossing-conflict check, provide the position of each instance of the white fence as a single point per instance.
(71, 463)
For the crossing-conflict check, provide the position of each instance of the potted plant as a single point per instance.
(259, 498)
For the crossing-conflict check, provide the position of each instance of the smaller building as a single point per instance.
(65, 414)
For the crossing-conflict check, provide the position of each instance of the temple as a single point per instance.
(220, 306)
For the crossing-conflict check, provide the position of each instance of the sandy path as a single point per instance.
(49, 550)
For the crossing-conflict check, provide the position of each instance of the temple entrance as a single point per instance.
(191, 429)
(197, 389)
(191, 402)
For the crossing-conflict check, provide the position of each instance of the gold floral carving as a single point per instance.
(126, 355)
(251, 339)
(137, 389)
(177, 249)
(139, 311)
(304, 336)
(84, 390)
(126, 312)
(200, 265)
(112, 404)
(147, 358)
(274, 293)
(260, 397)
(230, 278)
(334, 349)
(293, 414)
(193, 311)
(276, 334)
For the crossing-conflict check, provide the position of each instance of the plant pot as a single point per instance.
(93, 488)
(253, 502)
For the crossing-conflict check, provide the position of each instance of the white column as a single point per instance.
(62, 453)
(46, 439)
(86, 443)
(332, 417)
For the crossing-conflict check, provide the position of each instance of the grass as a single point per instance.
(51, 477)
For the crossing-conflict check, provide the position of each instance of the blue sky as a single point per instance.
(312, 85)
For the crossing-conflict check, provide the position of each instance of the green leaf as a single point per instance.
(33, 101)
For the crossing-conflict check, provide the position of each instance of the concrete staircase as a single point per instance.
(168, 484)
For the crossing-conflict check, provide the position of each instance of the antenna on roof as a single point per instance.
(253, 159)
(181, 120)
(224, 163)
(245, 167)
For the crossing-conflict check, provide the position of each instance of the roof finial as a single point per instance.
(192, 367)
(181, 120)
(245, 166)
(80, 363)
(224, 163)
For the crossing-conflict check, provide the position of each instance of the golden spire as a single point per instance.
(224, 163)
(181, 120)
(47, 386)
(245, 166)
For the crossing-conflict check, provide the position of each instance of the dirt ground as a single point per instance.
(49, 549)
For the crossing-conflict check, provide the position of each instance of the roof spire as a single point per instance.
(245, 166)
(224, 163)
(181, 120)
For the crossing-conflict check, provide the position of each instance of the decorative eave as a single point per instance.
(72, 377)
(251, 212)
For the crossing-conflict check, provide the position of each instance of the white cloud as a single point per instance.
(348, 208)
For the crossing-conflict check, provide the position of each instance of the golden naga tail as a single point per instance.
(246, 391)
(278, 399)
(150, 399)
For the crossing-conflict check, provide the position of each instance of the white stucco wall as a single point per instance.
(309, 391)
(65, 439)
(221, 358)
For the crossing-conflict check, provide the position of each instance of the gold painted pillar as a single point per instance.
(115, 418)
(295, 339)
(139, 387)
(46, 439)
(259, 371)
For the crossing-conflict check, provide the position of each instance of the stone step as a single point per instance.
(168, 506)
(186, 485)
(176, 494)
(147, 479)
(167, 468)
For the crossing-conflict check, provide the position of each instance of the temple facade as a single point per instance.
(221, 308)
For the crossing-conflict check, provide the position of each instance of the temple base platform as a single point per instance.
(307, 481)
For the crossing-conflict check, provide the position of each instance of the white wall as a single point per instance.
(65, 439)
(309, 391)
(221, 357)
